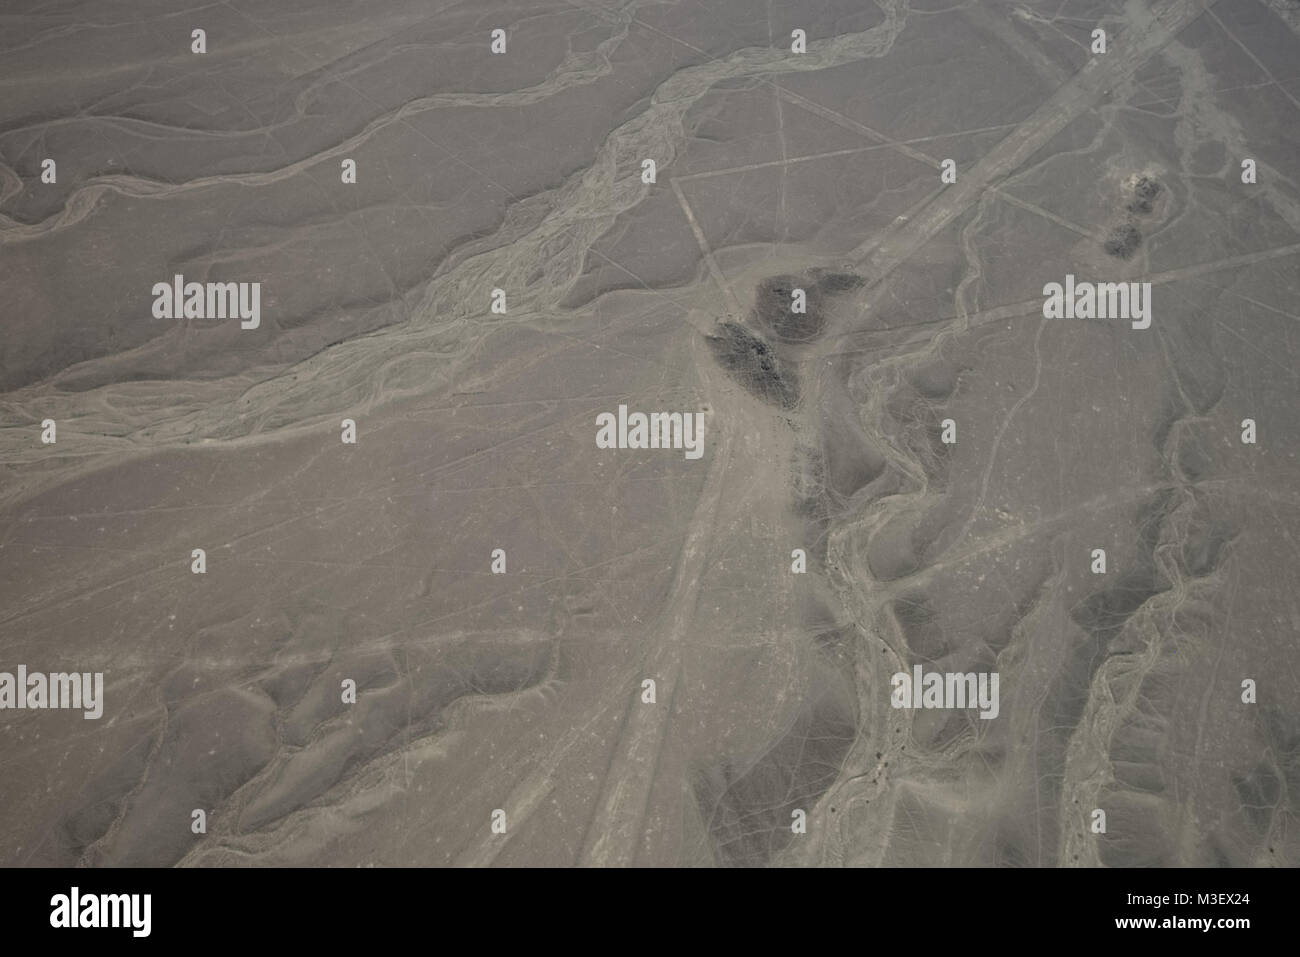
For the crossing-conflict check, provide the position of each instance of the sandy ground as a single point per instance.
(503, 716)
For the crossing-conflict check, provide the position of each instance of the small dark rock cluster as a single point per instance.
(752, 356)
(1144, 194)
(1124, 240)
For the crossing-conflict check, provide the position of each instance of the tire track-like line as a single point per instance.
(615, 832)
(878, 258)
